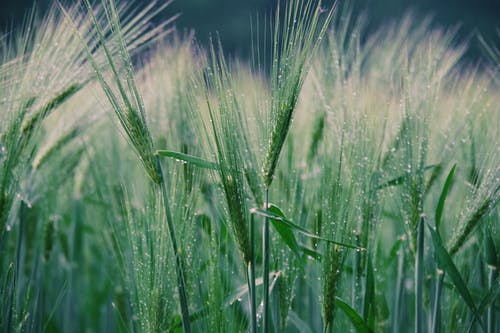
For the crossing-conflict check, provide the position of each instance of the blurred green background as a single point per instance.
(231, 18)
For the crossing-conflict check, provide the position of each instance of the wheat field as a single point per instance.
(331, 183)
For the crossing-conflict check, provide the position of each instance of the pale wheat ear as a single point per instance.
(126, 101)
(296, 35)
(87, 239)
(295, 40)
(125, 98)
(230, 140)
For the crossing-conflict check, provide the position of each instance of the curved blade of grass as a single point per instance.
(311, 253)
(273, 216)
(176, 323)
(442, 197)
(438, 215)
(30, 123)
(393, 253)
(446, 262)
(433, 178)
(284, 230)
(401, 179)
(356, 320)
(242, 290)
(194, 160)
(488, 300)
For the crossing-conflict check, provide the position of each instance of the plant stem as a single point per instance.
(251, 277)
(265, 273)
(181, 285)
(489, 316)
(419, 278)
(356, 283)
(437, 298)
(399, 288)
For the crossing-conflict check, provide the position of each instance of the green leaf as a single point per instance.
(176, 322)
(242, 290)
(197, 161)
(310, 252)
(393, 182)
(401, 179)
(300, 229)
(490, 251)
(442, 197)
(356, 320)
(488, 299)
(284, 230)
(445, 261)
(369, 301)
(393, 253)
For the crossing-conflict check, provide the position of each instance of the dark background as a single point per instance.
(231, 18)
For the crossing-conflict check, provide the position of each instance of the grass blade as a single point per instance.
(300, 229)
(401, 179)
(311, 253)
(284, 230)
(443, 196)
(446, 262)
(488, 301)
(436, 313)
(369, 301)
(356, 320)
(197, 161)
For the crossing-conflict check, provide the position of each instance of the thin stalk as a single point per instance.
(265, 273)
(181, 285)
(399, 289)
(489, 315)
(356, 278)
(437, 298)
(16, 271)
(251, 277)
(419, 278)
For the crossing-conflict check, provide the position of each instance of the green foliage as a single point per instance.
(158, 229)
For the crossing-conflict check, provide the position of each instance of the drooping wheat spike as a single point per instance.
(128, 105)
(125, 99)
(34, 119)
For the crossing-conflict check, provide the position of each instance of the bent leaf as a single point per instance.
(197, 161)
(269, 213)
(284, 230)
(488, 300)
(401, 179)
(356, 320)
(445, 261)
(311, 253)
